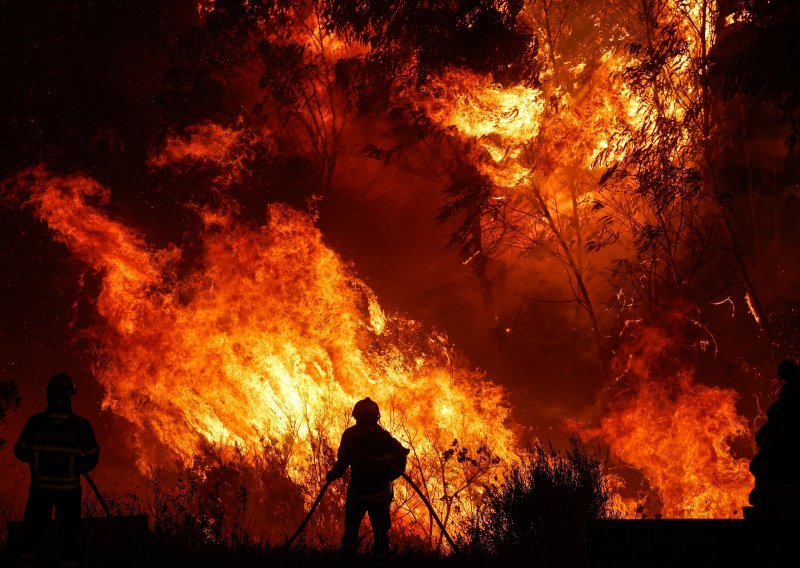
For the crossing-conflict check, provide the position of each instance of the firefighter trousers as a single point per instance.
(38, 512)
(379, 518)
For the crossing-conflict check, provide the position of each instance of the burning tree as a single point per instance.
(620, 166)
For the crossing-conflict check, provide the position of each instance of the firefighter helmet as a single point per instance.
(61, 382)
(367, 406)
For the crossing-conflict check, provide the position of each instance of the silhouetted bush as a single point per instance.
(538, 515)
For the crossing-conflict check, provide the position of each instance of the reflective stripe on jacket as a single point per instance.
(59, 447)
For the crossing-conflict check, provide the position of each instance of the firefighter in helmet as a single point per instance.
(776, 466)
(58, 445)
(375, 459)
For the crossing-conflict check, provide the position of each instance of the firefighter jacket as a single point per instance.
(370, 478)
(59, 446)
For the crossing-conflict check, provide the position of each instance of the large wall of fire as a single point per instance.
(505, 221)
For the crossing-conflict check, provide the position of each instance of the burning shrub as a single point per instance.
(678, 432)
(253, 358)
(540, 511)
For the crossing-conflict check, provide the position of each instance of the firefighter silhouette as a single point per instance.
(59, 446)
(776, 466)
(375, 459)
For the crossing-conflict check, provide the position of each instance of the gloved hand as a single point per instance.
(332, 475)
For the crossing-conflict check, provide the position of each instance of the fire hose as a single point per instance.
(97, 494)
(308, 516)
(408, 480)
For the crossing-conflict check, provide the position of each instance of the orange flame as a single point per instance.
(501, 119)
(556, 141)
(678, 432)
(271, 337)
(268, 341)
(228, 149)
